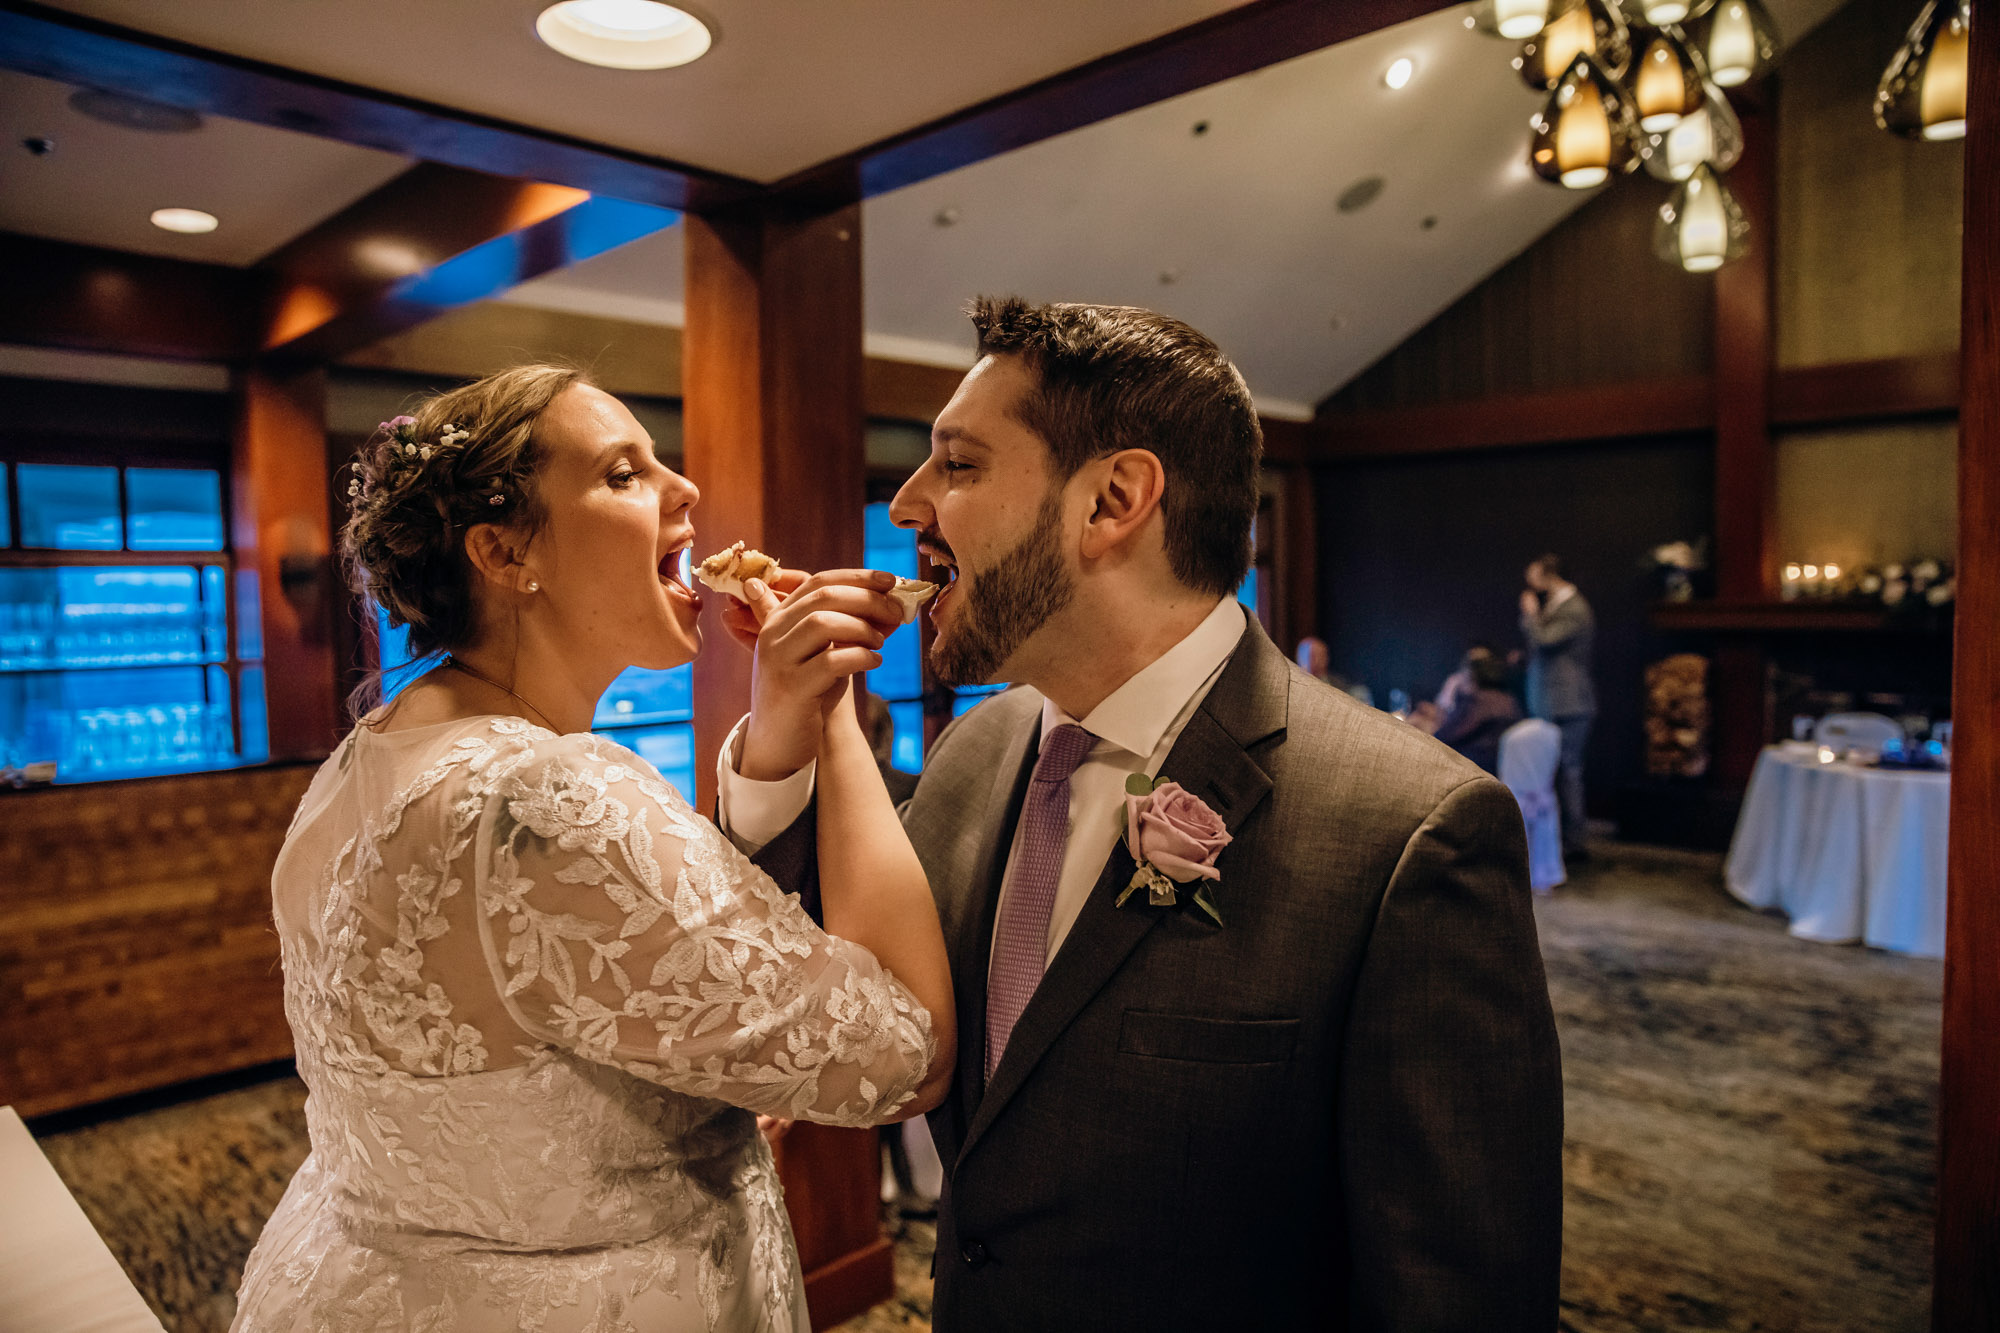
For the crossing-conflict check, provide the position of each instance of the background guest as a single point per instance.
(1481, 711)
(1312, 657)
(1560, 626)
(880, 729)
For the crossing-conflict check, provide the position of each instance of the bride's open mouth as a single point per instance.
(673, 570)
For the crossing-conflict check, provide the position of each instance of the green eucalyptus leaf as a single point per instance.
(1206, 904)
(1138, 784)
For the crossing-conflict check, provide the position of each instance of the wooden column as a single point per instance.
(1745, 499)
(1967, 1290)
(772, 395)
(282, 533)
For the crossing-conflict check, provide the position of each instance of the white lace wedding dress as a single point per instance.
(535, 999)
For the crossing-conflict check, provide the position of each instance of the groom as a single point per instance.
(1337, 1106)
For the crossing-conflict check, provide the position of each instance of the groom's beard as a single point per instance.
(1000, 608)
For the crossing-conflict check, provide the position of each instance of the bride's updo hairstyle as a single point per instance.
(421, 482)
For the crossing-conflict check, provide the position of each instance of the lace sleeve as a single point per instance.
(620, 925)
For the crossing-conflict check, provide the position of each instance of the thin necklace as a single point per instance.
(469, 670)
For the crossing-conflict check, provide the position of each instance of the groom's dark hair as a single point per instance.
(1117, 377)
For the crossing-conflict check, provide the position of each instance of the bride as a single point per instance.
(538, 1001)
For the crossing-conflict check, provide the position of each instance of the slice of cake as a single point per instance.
(725, 571)
(911, 594)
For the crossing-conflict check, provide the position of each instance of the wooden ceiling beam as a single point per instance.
(1856, 391)
(1594, 412)
(88, 299)
(435, 238)
(51, 44)
(1236, 42)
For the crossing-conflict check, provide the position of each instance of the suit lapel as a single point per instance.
(1210, 759)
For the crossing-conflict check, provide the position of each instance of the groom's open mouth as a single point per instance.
(941, 557)
(673, 571)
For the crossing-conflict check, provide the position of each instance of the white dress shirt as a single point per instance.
(1136, 726)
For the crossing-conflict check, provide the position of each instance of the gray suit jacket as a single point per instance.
(1559, 645)
(1342, 1109)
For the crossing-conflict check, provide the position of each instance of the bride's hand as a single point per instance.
(808, 646)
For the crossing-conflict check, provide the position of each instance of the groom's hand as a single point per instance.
(808, 646)
(741, 620)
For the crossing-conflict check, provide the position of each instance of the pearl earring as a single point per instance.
(534, 586)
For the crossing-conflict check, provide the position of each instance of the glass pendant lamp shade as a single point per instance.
(1659, 13)
(1923, 91)
(1667, 84)
(1576, 28)
(1711, 134)
(1512, 19)
(1701, 227)
(1739, 43)
(1586, 130)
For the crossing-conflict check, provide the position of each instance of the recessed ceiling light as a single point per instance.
(624, 34)
(187, 221)
(1399, 71)
(946, 217)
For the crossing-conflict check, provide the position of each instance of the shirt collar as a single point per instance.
(1559, 596)
(1138, 713)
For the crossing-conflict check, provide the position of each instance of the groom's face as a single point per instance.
(988, 506)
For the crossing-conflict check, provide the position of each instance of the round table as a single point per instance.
(1847, 852)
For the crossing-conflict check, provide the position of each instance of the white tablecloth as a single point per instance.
(1848, 853)
(56, 1276)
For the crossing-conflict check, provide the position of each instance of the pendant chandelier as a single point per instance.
(1739, 42)
(1576, 28)
(1586, 130)
(1711, 134)
(1512, 19)
(1667, 82)
(1922, 95)
(1659, 13)
(1701, 227)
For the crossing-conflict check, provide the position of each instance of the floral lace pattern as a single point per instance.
(535, 998)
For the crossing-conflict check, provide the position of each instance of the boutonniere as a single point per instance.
(1175, 838)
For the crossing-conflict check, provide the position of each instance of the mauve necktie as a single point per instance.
(1021, 942)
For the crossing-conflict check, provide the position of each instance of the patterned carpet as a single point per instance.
(1750, 1131)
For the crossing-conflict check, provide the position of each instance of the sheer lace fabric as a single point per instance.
(535, 1000)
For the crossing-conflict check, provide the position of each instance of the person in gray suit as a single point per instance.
(1560, 626)
(1323, 1091)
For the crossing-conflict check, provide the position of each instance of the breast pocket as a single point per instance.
(1216, 1041)
(1221, 1087)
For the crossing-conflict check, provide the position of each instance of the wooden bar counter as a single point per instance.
(136, 947)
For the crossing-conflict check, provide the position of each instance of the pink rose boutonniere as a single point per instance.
(1175, 838)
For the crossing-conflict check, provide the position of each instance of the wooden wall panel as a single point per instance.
(1867, 243)
(136, 947)
(1587, 304)
(1867, 495)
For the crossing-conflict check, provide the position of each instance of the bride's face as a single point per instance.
(609, 555)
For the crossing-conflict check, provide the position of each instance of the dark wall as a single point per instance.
(1421, 557)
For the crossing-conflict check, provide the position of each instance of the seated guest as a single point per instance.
(1314, 659)
(880, 727)
(1477, 716)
